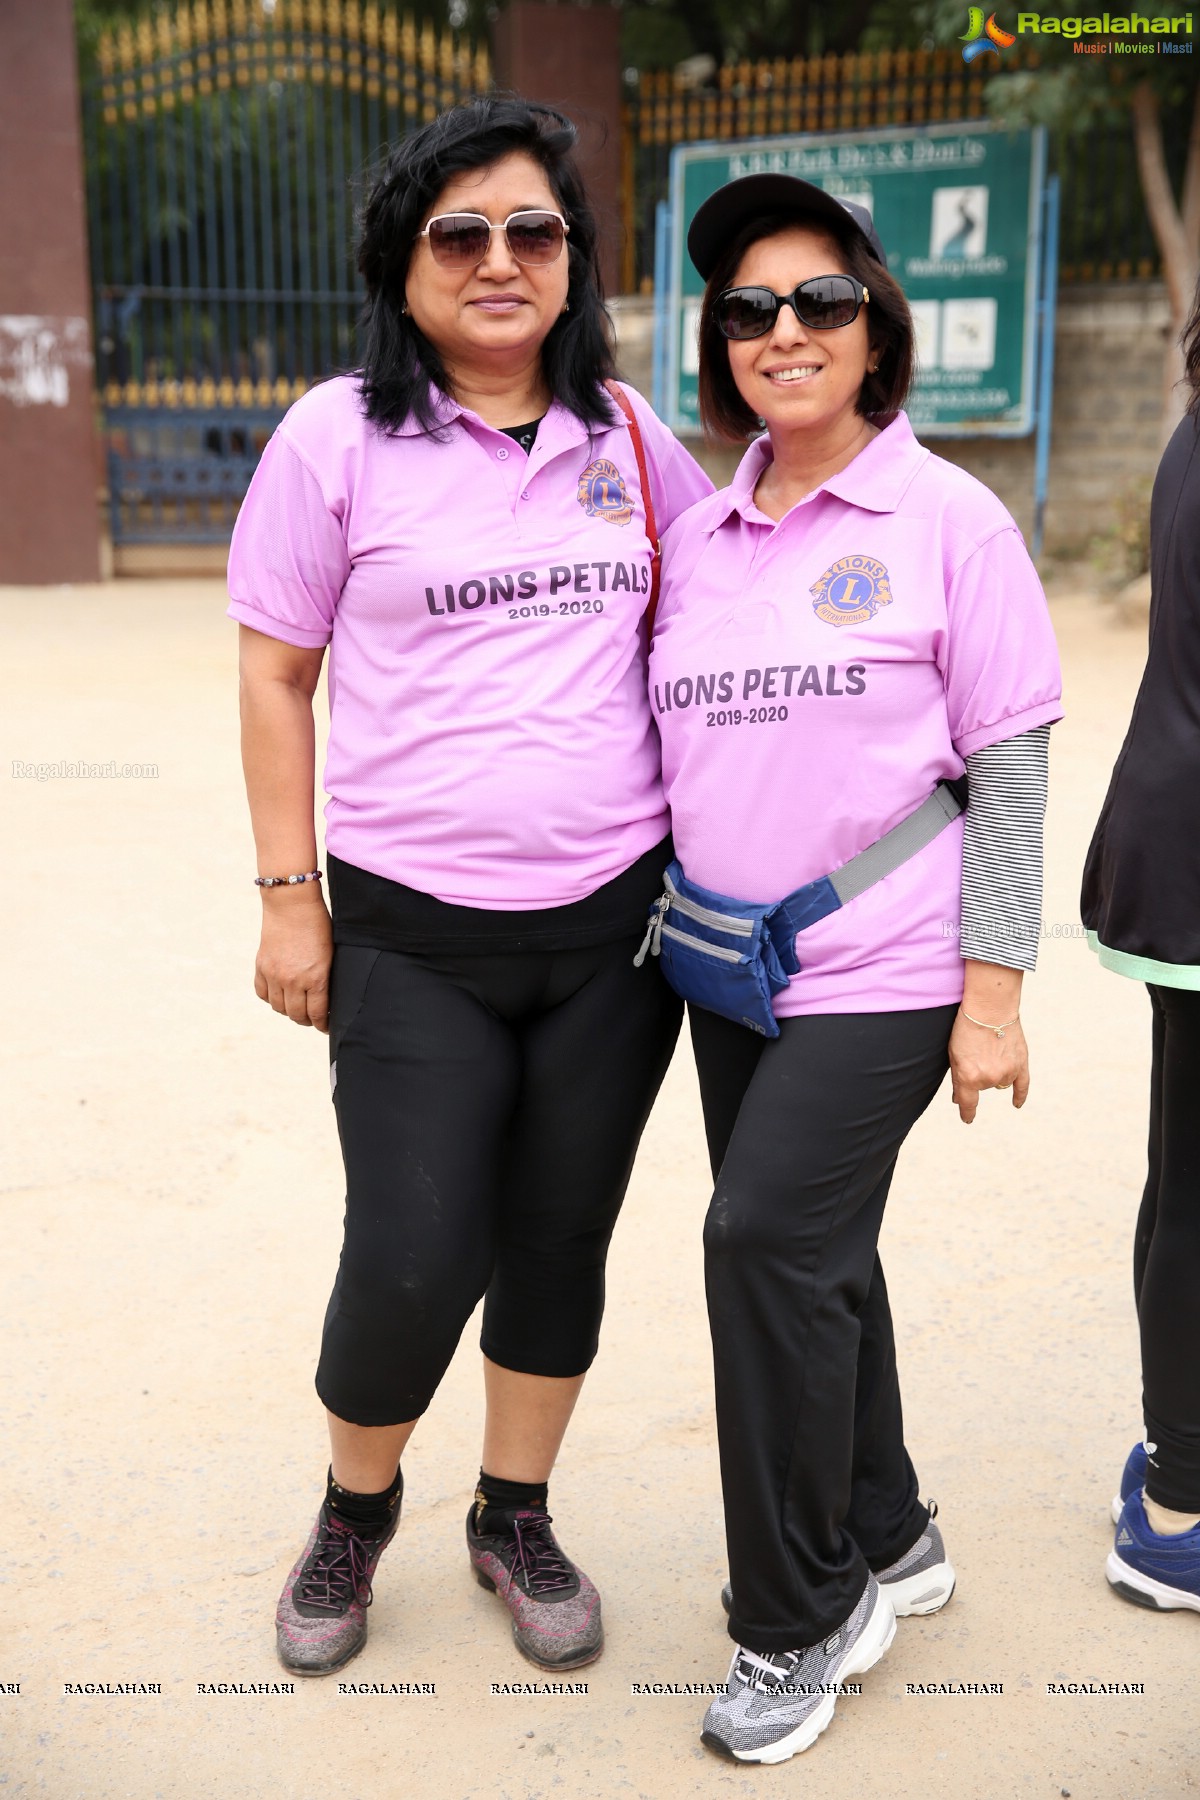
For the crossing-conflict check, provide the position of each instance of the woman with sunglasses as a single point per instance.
(842, 631)
(464, 524)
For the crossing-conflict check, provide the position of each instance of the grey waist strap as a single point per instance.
(895, 847)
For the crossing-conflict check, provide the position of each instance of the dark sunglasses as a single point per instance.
(823, 304)
(460, 240)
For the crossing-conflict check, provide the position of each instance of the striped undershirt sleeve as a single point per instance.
(1002, 850)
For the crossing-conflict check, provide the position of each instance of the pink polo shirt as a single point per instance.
(813, 679)
(490, 741)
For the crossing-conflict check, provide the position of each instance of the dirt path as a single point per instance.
(171, 1220)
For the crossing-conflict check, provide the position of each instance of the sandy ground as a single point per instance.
(171, 1217)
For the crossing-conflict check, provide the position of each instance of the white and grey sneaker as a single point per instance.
(779, 1703)
(920, 1581)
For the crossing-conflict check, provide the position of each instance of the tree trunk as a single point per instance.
(1176, 231)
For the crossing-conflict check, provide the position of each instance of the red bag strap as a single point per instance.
(639, 450)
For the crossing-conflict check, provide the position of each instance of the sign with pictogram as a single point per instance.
(959, 210)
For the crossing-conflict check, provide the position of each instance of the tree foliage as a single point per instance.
(659, 33)
(1070, 93)
(655, 33)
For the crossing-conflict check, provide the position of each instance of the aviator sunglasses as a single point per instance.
(460, 240)
(825, 303)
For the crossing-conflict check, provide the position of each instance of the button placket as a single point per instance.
(509, 467)
(535, 462)
(753, 603)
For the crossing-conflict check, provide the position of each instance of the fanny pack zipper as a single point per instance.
(694, 943)
(704, 915)
(653, 930)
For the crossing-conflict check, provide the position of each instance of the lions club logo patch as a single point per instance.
(852, 591)
(603, 494)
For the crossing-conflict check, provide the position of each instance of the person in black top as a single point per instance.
(1141, 905)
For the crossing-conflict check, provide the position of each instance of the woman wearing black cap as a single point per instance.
(842, 633)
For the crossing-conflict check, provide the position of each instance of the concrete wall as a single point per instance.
(1105, 427)
(1104, 447)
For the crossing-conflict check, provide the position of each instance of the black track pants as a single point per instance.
(489, 1109)
(1166, 1254)
(803, 1134)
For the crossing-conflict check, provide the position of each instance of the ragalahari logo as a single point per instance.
(984, 37)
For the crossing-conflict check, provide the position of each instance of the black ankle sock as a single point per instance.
(494, 1498)
(370, 1514)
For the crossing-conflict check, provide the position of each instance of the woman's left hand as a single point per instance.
(979, 1060)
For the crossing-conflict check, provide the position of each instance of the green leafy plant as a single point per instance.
(1122, 553)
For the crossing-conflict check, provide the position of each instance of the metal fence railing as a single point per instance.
(225, 142)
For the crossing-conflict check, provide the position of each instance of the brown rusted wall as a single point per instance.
(49, 521)
(570, 57)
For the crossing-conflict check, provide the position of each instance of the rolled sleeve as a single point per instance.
(1001, 668)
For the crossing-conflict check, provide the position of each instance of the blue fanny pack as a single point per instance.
(732, 956)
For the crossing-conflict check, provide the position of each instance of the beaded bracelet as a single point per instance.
(285, 880)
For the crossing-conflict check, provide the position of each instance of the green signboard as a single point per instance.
(958, 209)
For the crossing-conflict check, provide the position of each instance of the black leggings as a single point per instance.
(803, 1134)
(1166, 1254)
(489, 1109)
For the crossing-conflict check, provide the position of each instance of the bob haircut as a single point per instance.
(399, 363)
(724, 413)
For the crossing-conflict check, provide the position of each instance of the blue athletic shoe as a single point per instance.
(1133, 1479)
(1160, 1572)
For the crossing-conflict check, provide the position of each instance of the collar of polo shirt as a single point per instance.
(876, 480)
(446, 409)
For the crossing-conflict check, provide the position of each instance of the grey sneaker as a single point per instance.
(555, 1609)
(920, 1581)
(321, 1619)
(779, 1703)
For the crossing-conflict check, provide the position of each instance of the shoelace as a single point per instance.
(764, 1672)
(538, 1561)
(339, 1570)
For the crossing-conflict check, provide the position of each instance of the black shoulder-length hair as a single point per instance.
(724, 413)
(399, 362)
(1190, 342)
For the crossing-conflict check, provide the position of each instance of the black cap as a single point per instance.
(721, 215)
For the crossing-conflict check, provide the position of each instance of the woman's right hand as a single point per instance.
(291, 971)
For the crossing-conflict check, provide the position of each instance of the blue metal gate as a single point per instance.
(224, 148)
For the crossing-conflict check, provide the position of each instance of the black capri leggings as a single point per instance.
(489, 1108)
